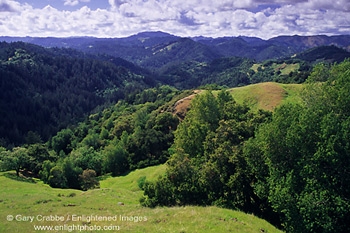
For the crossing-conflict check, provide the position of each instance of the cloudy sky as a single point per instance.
(119, 18)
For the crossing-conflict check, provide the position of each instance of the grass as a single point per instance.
(290, 68)
(255, 67)
(267, 95)
(18, 198)
(284, 68)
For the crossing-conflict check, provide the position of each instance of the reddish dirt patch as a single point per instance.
(182, 106)
(281, 67)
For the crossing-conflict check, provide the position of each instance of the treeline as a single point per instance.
(45, 90)
(132, 134)
(291, 167)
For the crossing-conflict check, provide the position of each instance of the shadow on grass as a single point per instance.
(21, 178)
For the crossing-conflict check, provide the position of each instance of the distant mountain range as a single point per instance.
(154, 50)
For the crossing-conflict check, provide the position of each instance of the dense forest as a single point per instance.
(70, 117)
(44, 90)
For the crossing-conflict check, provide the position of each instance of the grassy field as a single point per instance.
(267, 95)
(67, 209)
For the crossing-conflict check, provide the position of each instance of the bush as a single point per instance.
(88, 180)
(141, 182)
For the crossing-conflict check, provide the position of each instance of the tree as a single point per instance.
(88, 158)
(88, 180)
(17, 159)
(38, 153)
(57, 178)
(61, 142)
(116, 159)
(202, 118)
(46, 170)
(71, 173)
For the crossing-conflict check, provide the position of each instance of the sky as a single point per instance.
(188, 18)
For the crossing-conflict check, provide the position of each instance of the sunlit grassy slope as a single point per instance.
(21, 198)
(284, 68)
(267, 95)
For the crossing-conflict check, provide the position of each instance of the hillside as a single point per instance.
(230, 71)
(266, 96)
(43, 90)
(327, 54)
(30, 197)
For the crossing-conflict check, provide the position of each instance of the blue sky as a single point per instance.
(119, 18)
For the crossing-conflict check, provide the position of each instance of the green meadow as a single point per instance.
(117, 198)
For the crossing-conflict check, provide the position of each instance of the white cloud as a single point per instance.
(180, 17)
(74, 2)
(339, 5)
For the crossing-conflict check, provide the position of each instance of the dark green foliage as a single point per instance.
(141, 182)
(88, 159)
(116, 159)
(38, 153)
(45, 90)
(324, 53)
(61, 142)
(116, 139)
(57, 178)
(63, 174)
(71, 173)
(203, 117)
(151, 139)
(301, 158)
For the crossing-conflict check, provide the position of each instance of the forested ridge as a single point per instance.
(70, 117)
(44, 90)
